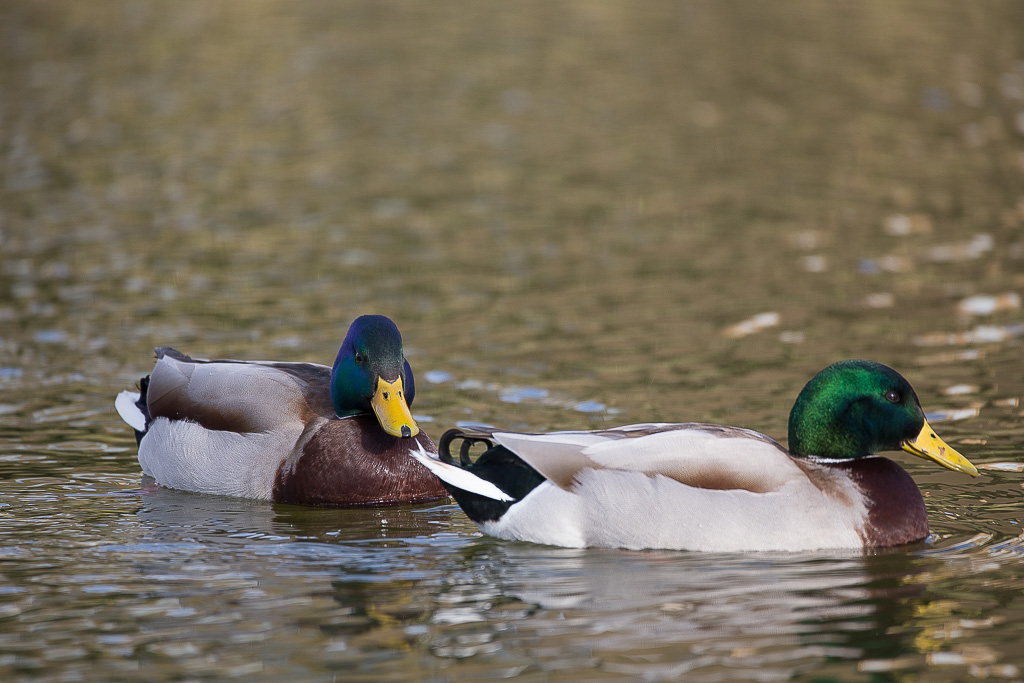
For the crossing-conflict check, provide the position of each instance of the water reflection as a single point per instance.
(392, 592)
(666, 614)
(663, 615)
(221, 519)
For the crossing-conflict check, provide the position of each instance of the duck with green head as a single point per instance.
(709, 487)
(289, 432)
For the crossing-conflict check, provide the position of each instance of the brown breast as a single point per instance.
(353, 462)
(896, 511)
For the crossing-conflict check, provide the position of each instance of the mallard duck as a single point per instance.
(708, 487)
(289, 432)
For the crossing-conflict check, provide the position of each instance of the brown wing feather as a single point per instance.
(238, 396)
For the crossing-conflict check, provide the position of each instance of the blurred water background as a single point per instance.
(580, 214)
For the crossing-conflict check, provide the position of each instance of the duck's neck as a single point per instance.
(345, 404)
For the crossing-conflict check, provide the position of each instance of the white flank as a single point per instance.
(129, 412)
(181, 454)
(458, 477)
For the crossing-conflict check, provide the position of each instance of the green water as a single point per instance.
(579, 214)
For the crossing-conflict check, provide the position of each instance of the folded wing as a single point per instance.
(698, 455)
(238, 396)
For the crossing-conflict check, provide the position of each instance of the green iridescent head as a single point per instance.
(371, 374)
(856, 408)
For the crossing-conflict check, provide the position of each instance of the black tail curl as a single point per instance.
(469, 439)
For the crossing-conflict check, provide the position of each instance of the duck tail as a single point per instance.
(459, 481)
(134, 410)
(487, 488)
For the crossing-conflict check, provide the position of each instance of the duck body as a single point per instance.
(271, 431)
(705, 487)
(689, 487)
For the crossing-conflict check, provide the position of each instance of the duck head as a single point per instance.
(856, 408)
(371, 374)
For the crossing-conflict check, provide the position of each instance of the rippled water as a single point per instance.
(579, 214)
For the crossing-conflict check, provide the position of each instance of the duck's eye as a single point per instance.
(893, 396)
(360, 358)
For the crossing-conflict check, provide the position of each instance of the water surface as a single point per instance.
(579, 215)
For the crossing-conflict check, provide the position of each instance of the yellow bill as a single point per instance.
(392, 411)
(928, 445)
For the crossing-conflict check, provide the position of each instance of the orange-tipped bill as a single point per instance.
(928, 445)
(391, 409)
